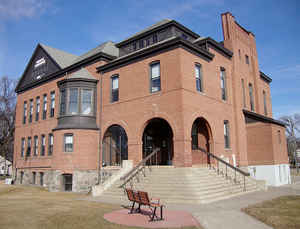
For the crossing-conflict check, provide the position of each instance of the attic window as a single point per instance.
(40, 68)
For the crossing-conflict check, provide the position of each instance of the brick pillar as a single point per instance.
(182, 153)
(135, 152)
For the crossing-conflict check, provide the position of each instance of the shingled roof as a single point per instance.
(81, 74)
(106, 47)
(62, 58)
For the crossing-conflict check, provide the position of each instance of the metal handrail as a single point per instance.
(141, 163)
(236, 170)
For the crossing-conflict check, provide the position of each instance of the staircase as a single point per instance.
(182, 185)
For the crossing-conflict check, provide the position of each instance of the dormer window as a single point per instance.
(141, 44)
(154, 38)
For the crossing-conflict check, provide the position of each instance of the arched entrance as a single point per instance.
(114, 146)
(201, 138)
(158, 134)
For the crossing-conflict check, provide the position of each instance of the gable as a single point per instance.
(39, 66)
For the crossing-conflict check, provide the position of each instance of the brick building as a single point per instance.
(164, 87)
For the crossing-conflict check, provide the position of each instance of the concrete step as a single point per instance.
(182, 185)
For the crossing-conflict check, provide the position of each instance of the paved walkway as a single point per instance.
(172, 219)
(227, 213)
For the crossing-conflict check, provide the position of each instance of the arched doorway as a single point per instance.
(158, 134)
(201, 138)
(114, 146)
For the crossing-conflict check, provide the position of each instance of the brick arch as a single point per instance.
(194, 117)
(148, 118)
(121, 123)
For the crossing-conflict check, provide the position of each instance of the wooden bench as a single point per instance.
(142, 198)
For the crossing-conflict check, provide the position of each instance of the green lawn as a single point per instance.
(35, 208)
(280, 213)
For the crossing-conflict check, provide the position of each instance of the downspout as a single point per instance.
(100, 128)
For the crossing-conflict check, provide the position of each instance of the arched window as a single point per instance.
(114, 146)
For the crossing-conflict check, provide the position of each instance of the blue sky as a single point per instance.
(77, 26)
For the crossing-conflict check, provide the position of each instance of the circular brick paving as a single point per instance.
(171, 219)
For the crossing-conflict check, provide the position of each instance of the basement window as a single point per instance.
(68, 182)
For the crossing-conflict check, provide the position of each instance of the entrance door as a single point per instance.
(158, 134)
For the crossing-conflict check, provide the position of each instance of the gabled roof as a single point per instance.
(81, 74)
(157, 26)
(62, 58)
(106, 47)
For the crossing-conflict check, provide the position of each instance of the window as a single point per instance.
(239, 54)
(62, 102)
(33, 177)
(184, 36)
(141, 44)
(24, 112)
(154, 38)
(195, 136)
(41, 178)
(22, 147)
(148, 41)
(134, 46)
(244, 93)
(265, 103)
(198, 75)
(43, 144)
(36, 145)
(50, 144)
(247, 59)
(86, 101)
(73, 101)
(279, 136)
(223, 84)
(30, 110)
(68, 180)
(155, 77)
(37, 108)
(68, 142)
(28, 147)
(45, 106)
(114, 88)
(226, 134)
(52, 105)
(251, 97)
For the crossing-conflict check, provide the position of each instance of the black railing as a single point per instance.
(140, 166)
(214, 163)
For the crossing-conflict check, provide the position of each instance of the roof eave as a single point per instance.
(190, 32)
(173, 42)
(265, 77)
(211, 41)
(263, 118)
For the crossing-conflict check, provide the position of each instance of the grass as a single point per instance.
(35, 208)
(280, 213)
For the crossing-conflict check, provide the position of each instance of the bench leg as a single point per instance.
(161, 213)
(132, 208)
(154, 214)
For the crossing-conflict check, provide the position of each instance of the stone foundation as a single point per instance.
(83, 180)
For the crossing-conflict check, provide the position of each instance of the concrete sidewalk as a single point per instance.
(227, 214)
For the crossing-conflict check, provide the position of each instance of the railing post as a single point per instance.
(226, 171)
(244, 184)
(234, 176)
